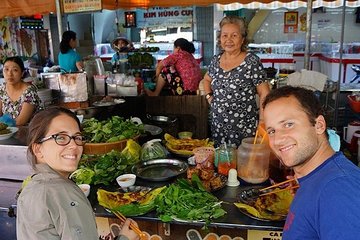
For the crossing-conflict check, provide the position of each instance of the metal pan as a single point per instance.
(159, 169)
(161, 119)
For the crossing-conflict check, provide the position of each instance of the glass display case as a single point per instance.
(105, 52)
(271, 50)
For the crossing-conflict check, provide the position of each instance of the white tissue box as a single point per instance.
(126, 91)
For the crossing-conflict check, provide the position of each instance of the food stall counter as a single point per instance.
(233, 219)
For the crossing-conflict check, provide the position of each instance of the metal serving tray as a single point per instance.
(159, 169)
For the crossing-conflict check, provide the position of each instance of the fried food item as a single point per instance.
(207, 185)
(3, 126)
(216, 182)
(192, 171)
(206, 174)
(272, 207)
(184, 146)
(5, 131)
(210, 180)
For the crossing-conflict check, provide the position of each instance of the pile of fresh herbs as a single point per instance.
(111, 130)
(103, 169)
(188, 201)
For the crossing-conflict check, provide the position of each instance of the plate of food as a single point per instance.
(211, 180)
(138, 202)
(158, 170)
(184, 147)
(7, 132)
(271, 207)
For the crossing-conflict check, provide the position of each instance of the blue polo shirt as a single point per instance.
(67, 61)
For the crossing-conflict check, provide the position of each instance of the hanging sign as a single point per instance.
(291, 22)
(34, 22)
(76, 6)
(164, 17)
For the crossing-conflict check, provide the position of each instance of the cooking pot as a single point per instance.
(161, 119)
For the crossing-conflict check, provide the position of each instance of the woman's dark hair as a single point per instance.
(16, 60)
(185, 45)
(65, 41)
(39, 126)
(306, 98)
(240, 22)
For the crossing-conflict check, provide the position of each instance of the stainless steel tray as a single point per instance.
(159, 169)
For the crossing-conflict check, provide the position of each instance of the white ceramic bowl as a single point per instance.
(85, 188)
(126, 180)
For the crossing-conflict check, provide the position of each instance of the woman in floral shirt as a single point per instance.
(17, 98)
(179, 71)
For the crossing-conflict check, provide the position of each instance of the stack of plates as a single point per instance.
(45, 96)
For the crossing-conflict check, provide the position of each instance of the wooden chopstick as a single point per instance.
(280, 190)
(132, 226)
(278, 184)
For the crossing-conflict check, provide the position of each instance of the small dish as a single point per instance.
(126, 180)
(13, 130)
(185, 135)
(85, 188)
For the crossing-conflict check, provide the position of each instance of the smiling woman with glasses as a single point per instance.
(63, 139)
(52, 206)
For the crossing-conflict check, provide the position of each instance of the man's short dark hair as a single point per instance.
(307, 99)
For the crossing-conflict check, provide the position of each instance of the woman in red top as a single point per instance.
(179, 70)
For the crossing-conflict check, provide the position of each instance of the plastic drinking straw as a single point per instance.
(227, 154)
(256, 134)
(262, 139)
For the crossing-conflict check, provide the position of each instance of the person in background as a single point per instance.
(50, 205)
(179, 70)
(326, 206)
(122, 45)
(69, 59)
(233, 79)
(18, 100)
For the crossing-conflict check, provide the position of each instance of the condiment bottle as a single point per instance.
(225, 158)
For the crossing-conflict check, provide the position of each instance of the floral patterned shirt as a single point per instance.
(13, 108)
(187, 67)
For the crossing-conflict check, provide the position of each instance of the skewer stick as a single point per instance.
(132, 226)
(280, 190)
(278, 184)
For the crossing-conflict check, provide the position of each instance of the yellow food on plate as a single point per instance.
(269, 207)
(112, 200)
(184, 146)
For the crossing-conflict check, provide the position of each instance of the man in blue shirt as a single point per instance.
(326, 206)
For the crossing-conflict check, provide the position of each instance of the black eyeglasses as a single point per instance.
(63, 139)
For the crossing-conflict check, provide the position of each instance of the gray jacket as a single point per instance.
(53, 207)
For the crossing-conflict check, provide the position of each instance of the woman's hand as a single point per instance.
(126, 231)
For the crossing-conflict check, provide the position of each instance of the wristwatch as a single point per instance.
(209, 95)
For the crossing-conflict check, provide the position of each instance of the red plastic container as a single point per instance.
(354, 105)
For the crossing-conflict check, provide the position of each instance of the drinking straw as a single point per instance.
(262, 139)
(227, 154)
(256, 135)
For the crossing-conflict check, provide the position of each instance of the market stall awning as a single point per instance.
(127, 4)
(285, 4)
(16, 8)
